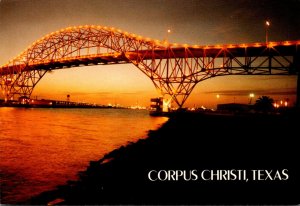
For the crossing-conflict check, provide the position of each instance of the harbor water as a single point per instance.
(41, 148)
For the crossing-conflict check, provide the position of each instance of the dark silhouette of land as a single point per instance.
(197, 141)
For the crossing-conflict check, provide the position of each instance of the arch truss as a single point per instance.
(174, 69)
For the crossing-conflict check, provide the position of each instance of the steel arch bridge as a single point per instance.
(175, 69)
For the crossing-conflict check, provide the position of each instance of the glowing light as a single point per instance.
(157, 42)
(276, 105)
(251, 95)
(257, 45)
(218, 96)
(271, 44)
(166, 105)
(243, 45)
(267, 23)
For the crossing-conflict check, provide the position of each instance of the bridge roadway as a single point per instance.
(286, 48)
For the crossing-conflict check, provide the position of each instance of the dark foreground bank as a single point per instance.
(183, 158)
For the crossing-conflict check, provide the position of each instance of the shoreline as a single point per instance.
(64, 106)
(192, 142)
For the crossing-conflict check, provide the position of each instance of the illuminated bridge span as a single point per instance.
(174, 69)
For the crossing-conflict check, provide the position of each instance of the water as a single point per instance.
(43, 148)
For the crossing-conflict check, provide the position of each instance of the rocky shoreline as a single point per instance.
(190, 143)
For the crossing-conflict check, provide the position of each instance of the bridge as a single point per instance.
(175, 69)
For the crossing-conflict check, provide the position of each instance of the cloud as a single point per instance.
(88, 93)
(286, 91)
(134, 92)
(104, 93)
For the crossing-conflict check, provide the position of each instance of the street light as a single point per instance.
(267, 26)
(217, 102)
(251, 95)
(167, 37)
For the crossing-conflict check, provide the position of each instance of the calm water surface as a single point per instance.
(43, 148)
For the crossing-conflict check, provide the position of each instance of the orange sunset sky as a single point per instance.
(203, 22)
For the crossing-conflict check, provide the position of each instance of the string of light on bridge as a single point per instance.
(156, 42)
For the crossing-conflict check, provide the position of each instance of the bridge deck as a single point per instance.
(287, 48)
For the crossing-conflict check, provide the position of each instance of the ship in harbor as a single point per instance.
(159, 107)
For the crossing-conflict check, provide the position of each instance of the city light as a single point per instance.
(281, 103)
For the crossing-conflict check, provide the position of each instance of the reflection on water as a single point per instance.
(42, 148)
